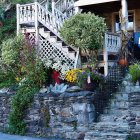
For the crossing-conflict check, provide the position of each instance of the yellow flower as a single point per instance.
(17, 79)
(71, 75)
(22, 69)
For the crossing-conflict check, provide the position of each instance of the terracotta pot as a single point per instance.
(123, 62)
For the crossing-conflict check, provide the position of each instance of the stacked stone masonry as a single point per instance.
(72, 115)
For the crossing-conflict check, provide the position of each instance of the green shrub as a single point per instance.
(85, 31)
(134, 71)
(20, 65)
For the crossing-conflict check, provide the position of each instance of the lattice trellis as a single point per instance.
(48, 50)
(32, 38)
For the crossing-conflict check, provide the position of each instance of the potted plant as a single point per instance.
(89, 79)
(134, 71)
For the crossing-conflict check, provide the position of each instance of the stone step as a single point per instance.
(118, 111)
(113, 118)
(120, 96)
(110, 124)
(105, 136)
(119, 104)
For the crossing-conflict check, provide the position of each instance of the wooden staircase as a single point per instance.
(43, 27)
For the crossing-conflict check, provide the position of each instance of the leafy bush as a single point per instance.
(85, 31)
(21, 1)
(8, 28)
(134, 71)
(19, 65)
(88, 75)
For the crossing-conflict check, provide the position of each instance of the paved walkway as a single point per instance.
(14, 137)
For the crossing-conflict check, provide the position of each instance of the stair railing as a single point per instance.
(112, 45)
(63, 5)
(26, 14)
(66, 7)
(34, 13)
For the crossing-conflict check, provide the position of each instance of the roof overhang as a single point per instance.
(91, 2)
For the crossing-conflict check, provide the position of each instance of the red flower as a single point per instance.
(55, 76)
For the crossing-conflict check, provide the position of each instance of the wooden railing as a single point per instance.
(26, 13)
(66, 7)
(112, 45)
(63, 5)
(112, 42)
(34, 12)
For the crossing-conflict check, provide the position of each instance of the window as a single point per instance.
(130, 22)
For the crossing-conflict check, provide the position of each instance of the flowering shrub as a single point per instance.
(19, 65)
(89, 79)
(87, 75)
(71, 75)
(56, 65)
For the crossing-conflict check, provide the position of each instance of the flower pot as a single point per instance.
(89, 86)
(123, 62)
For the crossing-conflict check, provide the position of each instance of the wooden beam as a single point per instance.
(124, 15)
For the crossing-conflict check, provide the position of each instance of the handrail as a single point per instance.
(63, 5)
(48, 20)
(34, 13)
(29, 4)
(43, 2)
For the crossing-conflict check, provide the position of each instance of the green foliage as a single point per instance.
(94, 76)
(10, 50)
(74, 125)
(6, 79)
(1, 13)
(46, 114)
(20, 65)
(21, 1)
(85, 31)
(131, 138)
(20, 102)
(8, 29)
(134, 71)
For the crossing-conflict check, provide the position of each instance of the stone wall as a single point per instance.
(67, 115)
(5, 100)
(70, 115)
(134, 110)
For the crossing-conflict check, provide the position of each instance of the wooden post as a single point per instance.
(53, 7)
(76, 59)
(105, 53)
(53, 12)
(47, 5)
(124, 15)
(77, 10)
(18, 18)
(36, 24)
(65, 5)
